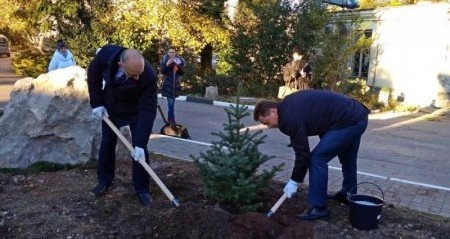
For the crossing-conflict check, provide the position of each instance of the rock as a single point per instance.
(49, 119)
(211, 92)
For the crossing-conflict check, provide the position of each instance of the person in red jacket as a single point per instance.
(338, 121)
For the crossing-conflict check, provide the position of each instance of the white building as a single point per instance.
(410, 53)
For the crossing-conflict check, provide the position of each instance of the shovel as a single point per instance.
(277, 205)
(143, 163)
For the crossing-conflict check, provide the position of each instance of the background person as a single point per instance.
(172, 68)
(297, 73)
(128, 98)
(339, 122)
(62, 57)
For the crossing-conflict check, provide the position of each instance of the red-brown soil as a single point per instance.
(60, 205)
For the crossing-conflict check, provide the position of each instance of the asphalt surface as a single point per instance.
(417, 151)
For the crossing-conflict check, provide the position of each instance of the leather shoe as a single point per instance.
(100, 189)
(145, 198)
(340, 197)
(314, 213)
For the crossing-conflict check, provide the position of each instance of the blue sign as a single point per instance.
(350, 4)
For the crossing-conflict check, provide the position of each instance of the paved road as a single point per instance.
(418, 151)
(406, 155)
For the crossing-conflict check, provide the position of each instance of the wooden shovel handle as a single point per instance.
(277, 205)
(142, 162)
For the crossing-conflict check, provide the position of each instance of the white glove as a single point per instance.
(138, 154)
(290, 188)
(99, 112)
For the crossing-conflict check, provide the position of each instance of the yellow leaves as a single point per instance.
(174, 20)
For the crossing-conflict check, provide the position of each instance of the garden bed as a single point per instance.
(59, 205)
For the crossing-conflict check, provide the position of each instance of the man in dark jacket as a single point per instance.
(339, 122)
(122, 85)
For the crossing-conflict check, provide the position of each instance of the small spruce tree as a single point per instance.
(229, 168)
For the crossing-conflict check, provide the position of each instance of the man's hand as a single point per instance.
(99, 112)
(290, 188)
(138, 154)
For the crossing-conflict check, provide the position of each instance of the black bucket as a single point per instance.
(365, 210)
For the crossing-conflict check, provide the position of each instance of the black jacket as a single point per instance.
(315, 112)
(134, 100)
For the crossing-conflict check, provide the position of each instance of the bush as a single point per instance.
(225, 83)
(359, 90)
(30, 63)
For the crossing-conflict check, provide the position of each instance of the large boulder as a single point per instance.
(49, 119)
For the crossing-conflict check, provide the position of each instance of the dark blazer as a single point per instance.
(135, 101)
(315, 112)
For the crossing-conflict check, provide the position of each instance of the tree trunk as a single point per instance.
(206, 60)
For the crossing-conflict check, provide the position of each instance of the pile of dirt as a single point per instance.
(59, 204)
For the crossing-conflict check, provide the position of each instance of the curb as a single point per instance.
(201, 100)
(194, 99)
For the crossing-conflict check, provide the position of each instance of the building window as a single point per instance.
(361, 59)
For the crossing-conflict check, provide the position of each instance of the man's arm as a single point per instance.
(300, 144)
(302, 157)
(146, 108)
(299, 141)
(94, 80)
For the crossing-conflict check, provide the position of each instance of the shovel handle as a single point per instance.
(142, 162)
(277, 205)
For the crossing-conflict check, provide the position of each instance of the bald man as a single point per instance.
(122, 85)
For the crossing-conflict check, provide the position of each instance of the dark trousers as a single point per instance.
(343, 143)
(107, 157)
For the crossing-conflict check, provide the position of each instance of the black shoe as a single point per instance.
(145, 198)
(100, 189)
(340, 197)
(314, 213)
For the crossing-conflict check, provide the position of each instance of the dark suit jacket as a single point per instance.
(315, 112)
(136, 102)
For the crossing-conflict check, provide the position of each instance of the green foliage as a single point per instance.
(358, 89)
(229, 168)
(225, 83)
(259, 44)
(30, 63)
(311, 19)
(340, 40)
(150, 26)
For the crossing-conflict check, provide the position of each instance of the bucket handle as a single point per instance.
(351, 190)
